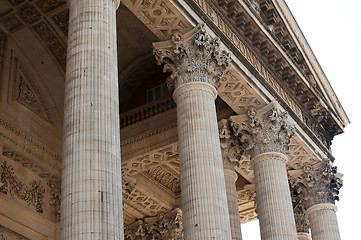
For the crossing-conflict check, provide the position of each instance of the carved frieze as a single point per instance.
(265, 130)
(33, 193)
(19, 133)
(165, 226)
(192, 57)
(318, 183)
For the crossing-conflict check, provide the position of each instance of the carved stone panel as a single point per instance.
(28, 93)
(160, 16)
(32, 193)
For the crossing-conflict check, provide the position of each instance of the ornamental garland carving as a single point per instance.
(192, 57)
(33, 194)
(167, 226)
(264, 130)
(318, 183)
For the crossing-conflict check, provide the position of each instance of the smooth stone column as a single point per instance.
(196, 62)
(91, 201)
(323, 222)
(265, 134)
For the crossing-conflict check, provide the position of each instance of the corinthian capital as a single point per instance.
(317, 184)
(231, 150)
(264, 130)
(299, 210)
(192, 57)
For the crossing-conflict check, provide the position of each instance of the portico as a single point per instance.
(181, 120)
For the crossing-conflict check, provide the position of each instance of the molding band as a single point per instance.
(192, 86)
(321, 206)
(269, 155)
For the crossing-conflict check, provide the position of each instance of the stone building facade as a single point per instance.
(158, 119)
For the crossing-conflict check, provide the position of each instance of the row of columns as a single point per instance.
(91, 174)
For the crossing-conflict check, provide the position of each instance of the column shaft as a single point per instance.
(323, 222)
(230, 179)
(274, 205)
(91, 204)
(205, 210)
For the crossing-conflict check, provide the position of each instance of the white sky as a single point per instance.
(333, 30)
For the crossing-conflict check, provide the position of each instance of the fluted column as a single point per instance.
(91, 202)
(319, 187)
(196, 63)
(231, 155)
(265, 134)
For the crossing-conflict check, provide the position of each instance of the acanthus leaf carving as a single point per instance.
(318, 183)
(262, 131)
(192, 57)
(168, 226)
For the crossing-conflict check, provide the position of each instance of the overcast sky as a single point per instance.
(333, 30)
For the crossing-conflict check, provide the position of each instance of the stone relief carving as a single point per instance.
(150, 160)
(55, 198)
(49, 5)
(161, 17)
(168, 226)
(33, 194)
(265, 130)
(17, 132)
(231, 150)
(318, 183)
(62, 21)
(128, 185)
(299, 211)
(28, 13)
(192, 57)
(11, 22)
(51, 41)
(240, 97)
(165, 177)
(144, 203)
(29, 164)
(28, 93)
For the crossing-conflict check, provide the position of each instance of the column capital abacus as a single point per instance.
(263, 131)
(317, 184)
(192, 57)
